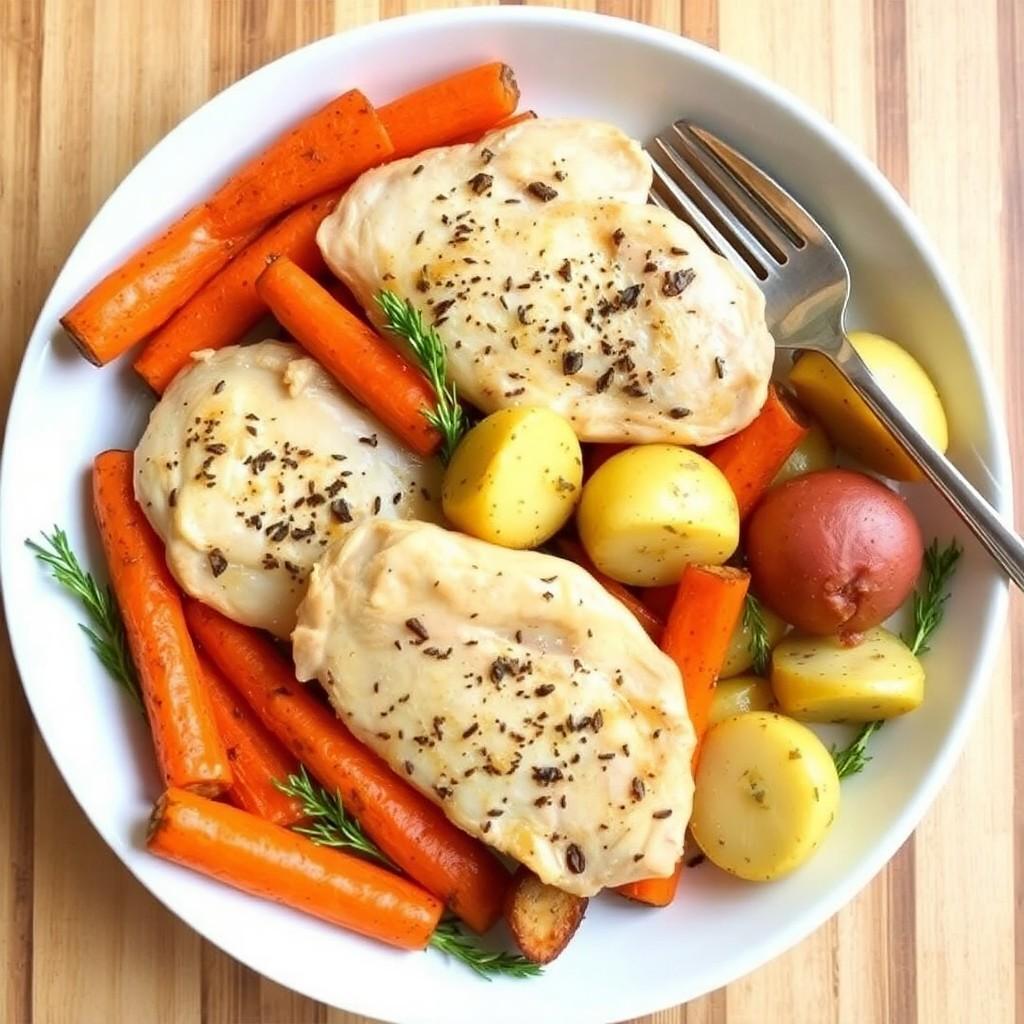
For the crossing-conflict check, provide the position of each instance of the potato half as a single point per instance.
(823, 390)
(818, 679)
(651, 510)
(514, 478)
(739, 657)
(767, 792)
(815, 451)
(738, 696)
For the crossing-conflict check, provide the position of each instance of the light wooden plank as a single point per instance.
(965, 962)
(21, 291)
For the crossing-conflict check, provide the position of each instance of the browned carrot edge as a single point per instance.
(266, 860)
(468, 102)
(408, 827)
(228, 304)
(707, 607)
(373, 370)
(188, 747)
(258, 759)
(750, 458)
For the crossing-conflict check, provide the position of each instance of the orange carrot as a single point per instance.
(228, 305)
(707, 606)
(470, 101)
(189, 750)
(266, 860)
(596, 455)
(325, 151)
(375, 372)
(138, 296)
(751, 458)
(653, 624)
(410, 829)
(257, 757)
(526, 115)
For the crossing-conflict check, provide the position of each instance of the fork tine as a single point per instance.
(669, 196)
(772, 235)
(735, 236)
(779, 205)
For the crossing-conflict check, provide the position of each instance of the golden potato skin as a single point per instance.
(514, 478)
(738, 658)
(738, 696)
(649, 511)
(815, 451)
(819, 679)
(823, 390)
(767, 794)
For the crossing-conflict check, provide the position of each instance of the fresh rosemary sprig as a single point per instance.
(852, 758)
(332, 826)
(452, 940)
(929, 606)
(759, 644)
(404, 321)
(930, 601)
(106, 631)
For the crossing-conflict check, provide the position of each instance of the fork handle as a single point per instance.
(1005, 546)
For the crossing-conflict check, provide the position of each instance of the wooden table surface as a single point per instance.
(930, 89)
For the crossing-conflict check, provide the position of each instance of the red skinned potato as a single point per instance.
(833, 551)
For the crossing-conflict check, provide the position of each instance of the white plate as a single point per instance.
(625, 961)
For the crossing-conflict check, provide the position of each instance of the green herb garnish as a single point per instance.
(929, 606)
(332, 826)
(758, 643)
(106, 629)
(447, 417)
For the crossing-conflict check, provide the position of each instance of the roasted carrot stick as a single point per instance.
(526, 115)
(653, 624)
(228, 305)
(137, 297)
(470, 101)
(410, 829)
(189, 750)
(751, 458)
(707, 606)
(326, 150)
(266, 860)
(374, 371)
(257, 757)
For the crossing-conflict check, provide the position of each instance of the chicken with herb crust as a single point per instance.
(552, 282)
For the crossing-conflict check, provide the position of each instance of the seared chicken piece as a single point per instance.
(511, 689)
(252, 462)
(551, 282)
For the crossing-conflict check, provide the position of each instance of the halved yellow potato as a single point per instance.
(514, 478)
(823, 390)
(818, 679)
(815, 451)
(738, 696)
(739, 657)
(767, 792)
(651, 510)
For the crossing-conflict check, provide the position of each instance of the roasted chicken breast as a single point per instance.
(252, 462)
(552, 282)
(513, 690)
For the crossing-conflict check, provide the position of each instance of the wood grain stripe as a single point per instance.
(893, 157)
(21, 40)
(1010, 23)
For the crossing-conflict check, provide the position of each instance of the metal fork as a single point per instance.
(751, 221)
